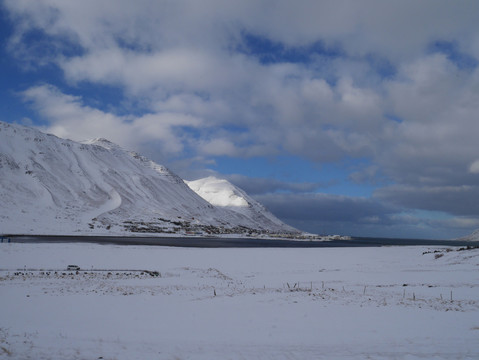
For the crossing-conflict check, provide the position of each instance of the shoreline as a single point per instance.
(234, 242)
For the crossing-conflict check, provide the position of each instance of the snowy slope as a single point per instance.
(50, 185)
(221, 193)
(471, 237)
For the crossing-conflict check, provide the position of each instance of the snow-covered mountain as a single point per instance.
(50, 185)
(471, 237)
(221, 193)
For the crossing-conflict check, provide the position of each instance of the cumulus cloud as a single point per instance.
(70, 118)
(180, 50)
(433, 145)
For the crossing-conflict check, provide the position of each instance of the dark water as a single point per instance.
(235, 242)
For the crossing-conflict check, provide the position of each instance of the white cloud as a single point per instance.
(70, 118)
(171, 70)
(474, 167)
(435, 142)
(218, 147)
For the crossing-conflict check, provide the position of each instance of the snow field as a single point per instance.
(379, 303)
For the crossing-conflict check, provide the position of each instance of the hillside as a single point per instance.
(50, 185)
(221, 193)
(474, 236)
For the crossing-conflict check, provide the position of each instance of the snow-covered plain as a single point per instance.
(328, 303)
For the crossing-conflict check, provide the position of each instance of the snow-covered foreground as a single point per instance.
(328, 303)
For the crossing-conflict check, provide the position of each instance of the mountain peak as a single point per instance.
(222, 193)
(105, 143)
(218, 192)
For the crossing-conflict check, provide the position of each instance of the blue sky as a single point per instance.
(354, 117)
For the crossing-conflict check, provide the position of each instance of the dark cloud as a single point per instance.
(255, 186)
(325, 207)
(333, 214)
(455, 200)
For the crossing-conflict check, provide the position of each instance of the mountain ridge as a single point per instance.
(50, 185)
(474, 236)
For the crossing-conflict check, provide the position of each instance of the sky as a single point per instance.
(354, 117)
